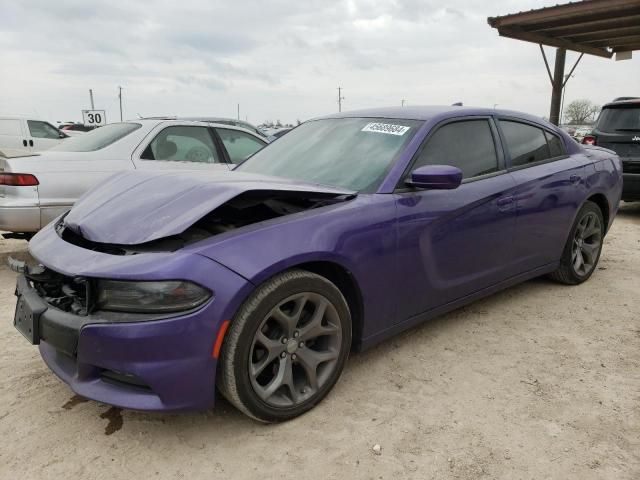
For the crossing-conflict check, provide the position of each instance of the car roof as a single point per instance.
(191, 120)
(22, 117)
(429, 112)
(627, 101)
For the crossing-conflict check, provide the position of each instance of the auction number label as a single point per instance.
(387, 128)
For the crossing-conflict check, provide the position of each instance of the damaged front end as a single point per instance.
(68, 294)
(245, 209)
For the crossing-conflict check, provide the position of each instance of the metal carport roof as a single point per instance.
(593, 27)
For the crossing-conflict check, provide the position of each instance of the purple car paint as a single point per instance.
(409, 253)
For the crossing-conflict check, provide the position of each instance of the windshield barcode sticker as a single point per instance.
(386, 128)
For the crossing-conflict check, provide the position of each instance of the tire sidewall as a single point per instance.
(249, 319)
(588, 207)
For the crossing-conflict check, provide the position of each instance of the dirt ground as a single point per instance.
(539, 381)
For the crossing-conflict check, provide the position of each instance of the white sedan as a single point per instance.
(36, 188)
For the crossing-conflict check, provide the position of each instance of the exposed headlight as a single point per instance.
(169, 296)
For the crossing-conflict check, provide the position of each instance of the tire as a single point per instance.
(587, 235)
(296, 327)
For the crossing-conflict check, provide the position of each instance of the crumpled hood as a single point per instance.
(136, 207)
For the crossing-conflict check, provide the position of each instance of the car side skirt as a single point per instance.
(436, 312)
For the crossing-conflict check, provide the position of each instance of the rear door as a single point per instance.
(452, 243)
(550, 188)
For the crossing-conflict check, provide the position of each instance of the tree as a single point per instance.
(580, 112)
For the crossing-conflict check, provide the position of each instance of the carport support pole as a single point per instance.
(558, 84)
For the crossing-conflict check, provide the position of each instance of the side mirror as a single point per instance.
(436, 177)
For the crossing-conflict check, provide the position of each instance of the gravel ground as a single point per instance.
(539, 381)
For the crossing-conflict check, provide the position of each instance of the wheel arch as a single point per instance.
(603, 204)
(342, 278)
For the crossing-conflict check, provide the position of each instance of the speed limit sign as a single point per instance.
(94, 118)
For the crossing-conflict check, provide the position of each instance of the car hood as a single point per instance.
(132, 208)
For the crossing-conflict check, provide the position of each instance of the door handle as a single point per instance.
(24, 142)
(505, 201)
(575, 178)
(31, 143)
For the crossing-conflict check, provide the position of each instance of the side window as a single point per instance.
(183, 144)
(39, 129)
(556, 147)
(526, 144)
(239, 145)
(467, 145)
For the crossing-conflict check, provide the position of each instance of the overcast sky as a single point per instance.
(279, 59)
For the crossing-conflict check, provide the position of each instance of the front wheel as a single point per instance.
(286, 347)
(584, 245)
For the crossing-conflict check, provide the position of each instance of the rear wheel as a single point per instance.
(286, 347)
(584, 245)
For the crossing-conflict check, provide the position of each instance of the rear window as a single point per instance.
(527, 144)
(620, 119)
(98, 138)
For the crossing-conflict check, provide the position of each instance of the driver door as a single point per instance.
(182, 147)
(452, 243)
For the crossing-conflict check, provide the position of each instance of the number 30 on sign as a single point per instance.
(94, 118)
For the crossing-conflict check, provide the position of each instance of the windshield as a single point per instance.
(620, 119)
(351, 153)
(98, 138)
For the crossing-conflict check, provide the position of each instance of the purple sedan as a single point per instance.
(159, 287)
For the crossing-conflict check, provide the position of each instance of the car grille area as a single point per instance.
(69, 294)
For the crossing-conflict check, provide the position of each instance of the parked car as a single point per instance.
(618, 129)
(73, 129)
(580, 133)
(36, 189)
(281, 132)
(157, 286)
(22, 133)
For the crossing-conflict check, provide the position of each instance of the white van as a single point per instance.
(28, 134)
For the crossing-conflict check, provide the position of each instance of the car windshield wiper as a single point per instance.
(627, 129)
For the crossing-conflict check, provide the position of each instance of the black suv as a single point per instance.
(618, 129)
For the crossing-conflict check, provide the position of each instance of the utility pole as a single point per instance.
(340, 98)
(238, 111)
(402, 103)
(91, 98)
(120, 99)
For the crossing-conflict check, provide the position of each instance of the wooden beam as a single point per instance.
(601, 35)
(617, 41)
(553, 42)
(627, 48)
(568, 12)
(593, 26)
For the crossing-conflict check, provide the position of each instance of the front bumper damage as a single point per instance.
(135, 361)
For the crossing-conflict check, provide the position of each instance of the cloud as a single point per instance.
(278, 59)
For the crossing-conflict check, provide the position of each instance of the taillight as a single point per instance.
(18, 179)
(589, 140)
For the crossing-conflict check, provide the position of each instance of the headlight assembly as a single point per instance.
(150, 297)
